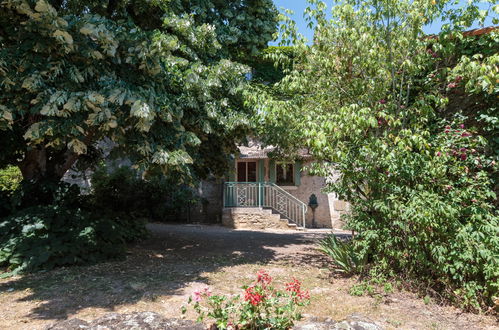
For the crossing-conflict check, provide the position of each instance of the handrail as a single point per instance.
(265, 194)
(284, 191)
(270, 184)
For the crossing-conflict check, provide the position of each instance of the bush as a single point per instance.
(431, 217)
(10, 177)
(123, 190)
(68, 230)
(5, 204)
(263, 306)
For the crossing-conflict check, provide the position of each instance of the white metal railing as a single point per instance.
(265, 194)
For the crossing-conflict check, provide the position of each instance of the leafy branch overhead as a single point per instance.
(407, 122)
(161, 80)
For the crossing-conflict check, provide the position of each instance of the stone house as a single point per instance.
(262, 192)
(258, 192)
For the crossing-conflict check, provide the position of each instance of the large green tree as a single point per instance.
(161, 80)
(371, 97)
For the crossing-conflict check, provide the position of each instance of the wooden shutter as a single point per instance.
(272, 171)
(261, 170)
(297, 169)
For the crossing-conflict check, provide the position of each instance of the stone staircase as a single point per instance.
(257, 201)
(255, 218)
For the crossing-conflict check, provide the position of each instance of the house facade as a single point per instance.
(258, 192)
(261, 192)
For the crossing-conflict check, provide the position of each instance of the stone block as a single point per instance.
(252, 218)
(339, 205)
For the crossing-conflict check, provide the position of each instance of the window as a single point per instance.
(285, 174)
(246, 171)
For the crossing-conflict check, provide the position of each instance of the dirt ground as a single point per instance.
(160, 274)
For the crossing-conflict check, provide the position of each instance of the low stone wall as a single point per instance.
(338, 208)
(253, 218)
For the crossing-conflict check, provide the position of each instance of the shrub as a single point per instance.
(10, 177)
(262, 307)
(66, 231)
(123, 190)
(431, 217)
(423, 195)
(5, 204)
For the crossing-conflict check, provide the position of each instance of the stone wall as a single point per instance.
(338, 208)
(253, 218)
(330, 209)
(313, 185)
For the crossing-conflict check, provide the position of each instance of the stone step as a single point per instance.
(255, 218)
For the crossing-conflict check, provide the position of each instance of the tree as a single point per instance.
(161, 79)
(370, 99)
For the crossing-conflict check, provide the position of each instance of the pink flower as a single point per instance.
(382, 101)
(463, 149)
(432, 53)
(206, 292)
(463, 156)
(451, 85)
(462, 125)
(199, 294)
(439, 154)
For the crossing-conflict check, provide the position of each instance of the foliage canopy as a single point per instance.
(379, 102)
(161, 80)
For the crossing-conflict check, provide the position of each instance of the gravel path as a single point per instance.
(264, 246)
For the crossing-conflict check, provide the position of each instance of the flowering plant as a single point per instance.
(261, 307)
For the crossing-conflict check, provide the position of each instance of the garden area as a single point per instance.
(113, 112)
(162, 272)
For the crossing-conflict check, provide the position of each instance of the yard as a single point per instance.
(160, 273)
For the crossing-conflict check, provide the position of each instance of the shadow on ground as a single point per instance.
(162, 265)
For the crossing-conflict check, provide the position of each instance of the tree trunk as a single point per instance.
(42, 171)
(38, 164)
(34, 165)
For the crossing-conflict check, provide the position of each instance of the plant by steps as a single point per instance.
(343, 254)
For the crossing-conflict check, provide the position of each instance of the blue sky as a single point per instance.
(298, 6)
